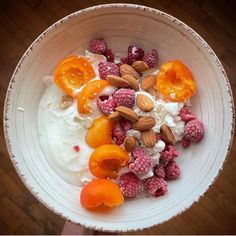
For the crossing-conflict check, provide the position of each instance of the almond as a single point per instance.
(114, 116)
(140, 66)
(153, 92)
(117, 81)
(144, 123)
(167, 134)
(127, 69)
(66, 101)
(148, 82)
(130, 143)
(127, 113)
(144, 103)
(149, 138)
(132, 81)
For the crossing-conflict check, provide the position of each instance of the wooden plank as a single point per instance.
(4, 228)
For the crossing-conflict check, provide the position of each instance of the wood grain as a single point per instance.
(22, 21)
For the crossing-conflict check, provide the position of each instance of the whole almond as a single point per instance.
(144, 123)
(149, 138)
(140, 66)
(66, 101)
(167, 134)
(117, 81)
(127, 113)
(127, 69)
(153, 92)
(144, 103)
(148, 82)
(115, 116)
(130, 143)
(132, 81)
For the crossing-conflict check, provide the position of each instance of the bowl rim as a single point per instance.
(67, 18)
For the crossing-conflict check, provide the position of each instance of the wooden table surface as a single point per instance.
(23, 20)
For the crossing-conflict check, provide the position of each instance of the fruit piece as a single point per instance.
(107, 68)
(148, 82)
(133, 83)
(127, 113)
(168, 154)
(130, 143)
(101, 192)
(109, 55)
(167, 134)
(66, 101)
(194, 130)
(130, 185)
(185, 142)
(89, 92)
(125, 97)
(106, 104)
(144, 103)
(140, 66)
(151, 58)
(73, 72)
(100, 132)
(156, 186)
(119, 131)
(125, 60)
(149, 138)
(135, 53)
(144, 123)
(117, 81)
(172, 171)
(159, 171)
(127, 69)
(106, 161)
(186, 115)
(98, 46)
(175, 82)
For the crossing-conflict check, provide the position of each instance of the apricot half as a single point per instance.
(106, 161)
(101, 192)
(100, 132)
(175, 81)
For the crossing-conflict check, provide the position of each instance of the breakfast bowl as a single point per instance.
(121, 25)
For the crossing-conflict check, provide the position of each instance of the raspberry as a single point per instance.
(185, 142)
(151, 58)
(156, 186)
(168, 154)
(138, 152)
(109, 55)
(118, 134)
(141, 163)
(97, 46)
(106, 104)
(125, 97)
(186, 115)
(135, 54)
(130, 185)
(125, 124)
(172, 171)
(194, 130)
(159, 171)
(107, 68)
(124, 60)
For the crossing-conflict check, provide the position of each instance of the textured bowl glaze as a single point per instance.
(121, 25)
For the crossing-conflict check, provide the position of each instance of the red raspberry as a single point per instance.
(185, 142)
(151, 58)
(109, 55)
(118, 134)
(156, 186)
(97, 46)
(141, 163)
(135, 54)
(106, 104)
(168, 154)
(124, 60)
(194, 130)
(172, 171)
(125, 97)
(138, 152)
(159, 171)
(125, 124)
(130, 185)
(107, 68)
(186, 115)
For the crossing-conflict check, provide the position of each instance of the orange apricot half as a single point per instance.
(101, 192)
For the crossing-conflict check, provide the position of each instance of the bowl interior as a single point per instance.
(121, 25)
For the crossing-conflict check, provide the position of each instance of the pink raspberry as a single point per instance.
(109, 55)
(118, 134)
(159, 171)
(172, 171)
(156, 186)
(168, 154)
(124, 60)
(125, 97)
(106, 104)
(130, 185)
(138, 152)
(125, 124)
(135, 53)
(141, 163)
(97, 46)
(185, 142)
(194, 130)
(151, 58)
(186, 115)
(107, 68)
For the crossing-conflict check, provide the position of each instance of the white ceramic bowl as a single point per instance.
(121, 25)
